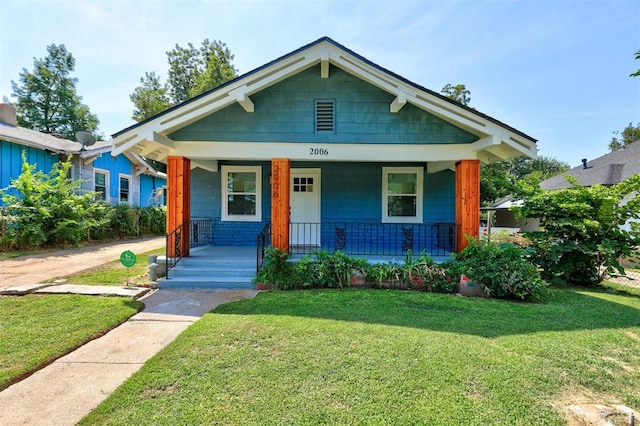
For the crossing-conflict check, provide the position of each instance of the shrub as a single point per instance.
(503, 270)
(43, 208)
(582, 233)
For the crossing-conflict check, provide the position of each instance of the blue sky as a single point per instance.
(556, 70)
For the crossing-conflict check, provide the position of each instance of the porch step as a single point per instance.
(208, 273)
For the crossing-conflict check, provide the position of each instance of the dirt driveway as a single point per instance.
(42, 267)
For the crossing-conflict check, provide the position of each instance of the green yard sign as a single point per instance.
(128, 259)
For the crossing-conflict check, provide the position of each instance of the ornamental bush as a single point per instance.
(583, 230)
(502, 269)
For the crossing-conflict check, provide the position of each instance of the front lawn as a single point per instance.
(113, 273)
(389, 357)
(35, 330)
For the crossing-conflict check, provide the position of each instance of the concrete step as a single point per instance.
(201, 283)
(211, 272)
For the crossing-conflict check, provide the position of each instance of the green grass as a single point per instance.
(35, 330)
(113, 273)
(388, 357)
(621, 288)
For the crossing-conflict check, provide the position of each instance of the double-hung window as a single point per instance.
(101, 184)
(402, 194)
(125, 184)
(242, 193)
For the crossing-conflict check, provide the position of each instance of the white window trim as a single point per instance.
(120, 176)
(419, 171)
(107, 181)
(225, 216)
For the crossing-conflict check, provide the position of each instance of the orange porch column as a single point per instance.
(467, 202)
(178, 201)
(280, 176)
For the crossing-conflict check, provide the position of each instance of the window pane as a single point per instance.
(401, 206)
(241, 182)
(402, 183)
(100, 179)
(124, 184)
(242, 204)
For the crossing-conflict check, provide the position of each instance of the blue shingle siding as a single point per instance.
(351, 193)
(148, 187)
(206, 203)
(11, 161)
(115, 165)
(285, 112)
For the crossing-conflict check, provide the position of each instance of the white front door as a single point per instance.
(305, 207)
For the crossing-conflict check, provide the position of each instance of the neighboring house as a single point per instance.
(326, 149)
(610, 169)
(121, 179)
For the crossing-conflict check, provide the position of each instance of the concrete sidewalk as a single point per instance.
(30, 270)
(65, 391)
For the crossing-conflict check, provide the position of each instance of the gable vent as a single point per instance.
(325, 116)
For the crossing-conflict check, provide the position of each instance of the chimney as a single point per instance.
(584, 164)
(8, 115)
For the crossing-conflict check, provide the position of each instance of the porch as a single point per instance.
(232, 267)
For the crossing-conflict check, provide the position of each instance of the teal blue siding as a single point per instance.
(351, 192)
(115, 165)
(285, 112)
(11, 161)
(206, 199)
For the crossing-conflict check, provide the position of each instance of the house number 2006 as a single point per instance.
(318, 151)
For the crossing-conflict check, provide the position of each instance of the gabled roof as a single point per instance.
(609, 169)
(55, 145)
(45, 141)
(150, 138)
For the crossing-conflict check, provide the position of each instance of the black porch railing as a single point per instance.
(199, 235)
(373, 239)
(264, 241)
(367, 238)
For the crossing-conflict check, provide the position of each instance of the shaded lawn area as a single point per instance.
(37, 329)
(388, 357)
(113, 273)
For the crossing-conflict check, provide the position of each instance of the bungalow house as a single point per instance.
(122, 179)
(322, 148)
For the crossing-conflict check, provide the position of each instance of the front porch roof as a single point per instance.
(149, 138)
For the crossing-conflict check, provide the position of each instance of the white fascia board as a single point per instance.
(324, 152)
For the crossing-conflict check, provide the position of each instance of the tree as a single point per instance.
(637, 73)
(581, 234)
(458, 93)
(630, 134)
(499, 179)
(149, 99)
(192, 71)
(46, 98)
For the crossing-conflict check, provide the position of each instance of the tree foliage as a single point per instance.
(629, 135)
(458, 93)
(46, 98)
(637, 73)
(149, 99)
(192, 71)
(583, 232)
(47, 208)
(500, 179)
